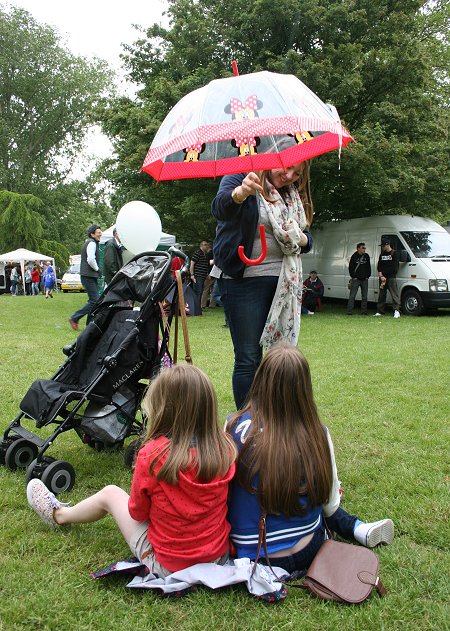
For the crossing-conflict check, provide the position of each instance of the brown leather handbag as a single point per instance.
(343, 572)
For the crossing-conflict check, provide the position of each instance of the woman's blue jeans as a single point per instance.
(247, 303)
(342, 523)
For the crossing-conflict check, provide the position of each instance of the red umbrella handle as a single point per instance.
(262, 256)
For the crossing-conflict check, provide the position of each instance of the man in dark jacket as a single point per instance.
(112, 257)
(360, 271)
(89, 273)
(313, 291)
(199, 268)
(387, 271)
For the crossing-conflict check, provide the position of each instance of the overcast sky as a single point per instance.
(96, 27)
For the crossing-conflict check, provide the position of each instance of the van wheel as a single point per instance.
(65, 291)
(412, 303)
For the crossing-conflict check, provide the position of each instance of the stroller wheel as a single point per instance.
(59, 476)
(20, 453)
(35, 469)
(130, 453)
(4, 444)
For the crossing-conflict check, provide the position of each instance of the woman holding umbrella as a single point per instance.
(262, 302)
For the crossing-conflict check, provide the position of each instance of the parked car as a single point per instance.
(71, 280)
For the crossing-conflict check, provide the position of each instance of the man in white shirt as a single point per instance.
(89, 273)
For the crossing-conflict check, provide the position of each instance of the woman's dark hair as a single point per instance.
(287, 445)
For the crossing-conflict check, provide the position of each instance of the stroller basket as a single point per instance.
(109, 423)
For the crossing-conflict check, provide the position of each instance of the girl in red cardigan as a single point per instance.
(175, 515)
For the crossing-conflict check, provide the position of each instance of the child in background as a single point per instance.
(176, 513)
(49, 281)
(35, 280)
(286, 468)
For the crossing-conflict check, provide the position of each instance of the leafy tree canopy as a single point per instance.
(382, 63)
(46, 99)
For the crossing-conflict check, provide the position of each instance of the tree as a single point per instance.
(46, 100)
(382, 63)
(20, 221)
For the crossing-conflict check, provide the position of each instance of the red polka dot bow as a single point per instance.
(237, 105)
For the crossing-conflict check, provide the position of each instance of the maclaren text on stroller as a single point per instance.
(97, 391)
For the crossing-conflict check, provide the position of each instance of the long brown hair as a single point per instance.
(303, 184)
(181, 405)
(287, 445)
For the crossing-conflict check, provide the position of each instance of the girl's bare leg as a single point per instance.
(110, 500)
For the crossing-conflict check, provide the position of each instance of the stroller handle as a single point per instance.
(175, 252)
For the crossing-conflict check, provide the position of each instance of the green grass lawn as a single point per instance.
(382, 388)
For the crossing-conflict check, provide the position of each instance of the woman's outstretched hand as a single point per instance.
(251, 184)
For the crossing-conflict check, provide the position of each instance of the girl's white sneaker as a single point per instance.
(43, 501)
(374, 533)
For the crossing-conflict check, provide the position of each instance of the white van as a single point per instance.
(423, 246)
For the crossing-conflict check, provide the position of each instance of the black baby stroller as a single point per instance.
(97, 391)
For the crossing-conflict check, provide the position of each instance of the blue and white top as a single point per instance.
(244, 510)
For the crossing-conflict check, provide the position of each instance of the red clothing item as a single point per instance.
(177, 262)
(188, 520)
(35, 276)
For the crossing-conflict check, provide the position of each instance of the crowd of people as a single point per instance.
(38, 278)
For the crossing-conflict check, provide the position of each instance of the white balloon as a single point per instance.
(139, 227)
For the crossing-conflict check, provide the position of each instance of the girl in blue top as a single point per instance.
(49, 281)
(286, 468)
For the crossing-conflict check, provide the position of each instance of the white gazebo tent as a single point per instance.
(23, 256)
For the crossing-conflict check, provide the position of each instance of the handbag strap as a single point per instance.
(182, 309)
(262, 543)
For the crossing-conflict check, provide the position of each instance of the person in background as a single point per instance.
(35, 280)
(312, 292)
(360, 271)
(49, 280)
(112, 257)
(177, 262)
(27, 278)
(387, 271)
(208, 286)
(89, 273)
(14, 278)
(199, 269)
